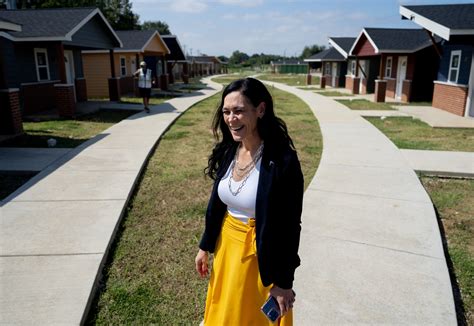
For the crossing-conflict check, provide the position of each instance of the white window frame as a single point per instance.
(124, 66)
(327, 68)
(451, 69)
(388, 68)
(45, 52)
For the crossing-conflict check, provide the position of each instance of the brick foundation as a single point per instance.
(406, 91)
(355, 85)
(164, 82)
(380, 88)
(451, 98)
(364, 86)
(391, 87)
(38, 97)
(322, 82)
(65, 101)
(349, 83)
(114, 89)
(81, 89)
(126, 85)
(11, 122)
(308, 79)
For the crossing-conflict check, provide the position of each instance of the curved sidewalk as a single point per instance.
(370, 246)
(56, 230)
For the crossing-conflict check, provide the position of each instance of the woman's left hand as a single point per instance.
(284, 297)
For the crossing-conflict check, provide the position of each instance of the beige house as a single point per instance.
(136, 46)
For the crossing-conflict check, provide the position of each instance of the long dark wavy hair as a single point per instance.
(271, 129)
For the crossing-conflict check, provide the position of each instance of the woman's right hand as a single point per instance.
(202, 259)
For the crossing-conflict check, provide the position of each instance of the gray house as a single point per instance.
(41, 64)
(454, 84)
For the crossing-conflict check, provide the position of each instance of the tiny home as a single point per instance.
(136, 46)
(41, 66)
(454, 82)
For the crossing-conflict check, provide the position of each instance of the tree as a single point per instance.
(238, 57)
(310, 50)
(158, 25)
(118, 12)
(223, 58)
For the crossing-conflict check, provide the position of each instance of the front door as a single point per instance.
(401, 75)
(69, 65)
(334, 74)
(363, 73)
(470, 92)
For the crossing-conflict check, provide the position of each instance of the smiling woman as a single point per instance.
(254, 214)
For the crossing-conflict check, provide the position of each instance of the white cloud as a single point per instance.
(242, 3)
(190, 6)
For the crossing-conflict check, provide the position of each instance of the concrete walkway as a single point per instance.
(441, 163)
(436, 117)
(55, 231)
(370, 246)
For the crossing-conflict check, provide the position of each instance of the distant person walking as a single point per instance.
(145, 82)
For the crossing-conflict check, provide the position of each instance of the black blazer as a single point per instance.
(277, 215)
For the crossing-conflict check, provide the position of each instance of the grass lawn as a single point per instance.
(410, 133)
(289, 79)
(309, 88)
(138, 100)
(365, 105)
(68, 133)
(455, 204)
(150, 277)
(11, 181)
(227, 79)
(333, 93)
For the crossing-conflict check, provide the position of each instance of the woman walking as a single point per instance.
(254, 214)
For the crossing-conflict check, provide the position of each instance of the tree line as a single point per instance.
(243, 59)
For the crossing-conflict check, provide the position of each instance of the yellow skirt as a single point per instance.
(235, 292)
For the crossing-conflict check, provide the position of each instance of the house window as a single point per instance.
(328, 68)
(388, 67)
(454, 64)
(42, 66)
(123, 66)
(352, 68)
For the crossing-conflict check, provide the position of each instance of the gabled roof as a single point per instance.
(176, 52)
(50, 24)
(204, 59)
(138, 40)
(342, 44)
(7, 25)
(330, 54)
(395, 40)
(443, 20)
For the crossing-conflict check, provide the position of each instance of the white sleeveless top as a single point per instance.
(144, 79)
(243, 205)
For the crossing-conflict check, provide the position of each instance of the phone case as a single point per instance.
(271, 309)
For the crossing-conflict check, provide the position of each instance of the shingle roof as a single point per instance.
(398, 39)
(330, 54)
(176, 53)
(45, 22)
(453, 16)
(134, 40)
(344, 43)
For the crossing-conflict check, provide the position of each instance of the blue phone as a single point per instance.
(271, 309)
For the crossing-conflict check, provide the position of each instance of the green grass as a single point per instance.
(309, 88)
(139, 100)
(333, 93)
(150, 278)
(409, 133)
(289, 79)
(455, 204)
(68, 133)
(365, 105)
(227, 79)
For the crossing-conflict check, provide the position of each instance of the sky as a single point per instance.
(282, 27)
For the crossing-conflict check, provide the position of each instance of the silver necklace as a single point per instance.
(252, 164)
